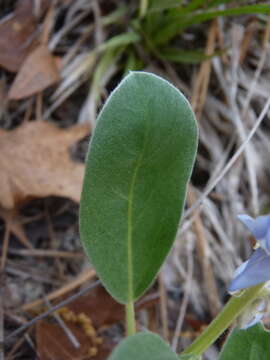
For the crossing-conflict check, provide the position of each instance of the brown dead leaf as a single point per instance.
(100, 307)
(18, 35)
(38, 72)
(53, 343)
(35, 162)
(85, 317)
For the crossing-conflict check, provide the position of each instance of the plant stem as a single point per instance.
(130, 318)
(231, 310)
(143, 8)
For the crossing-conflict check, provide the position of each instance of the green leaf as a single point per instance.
(179, 20)
(143, 346)
(250, 344)
(185, 56)
(132, 62)
(159, 5)
(130, 37)
(140, 160)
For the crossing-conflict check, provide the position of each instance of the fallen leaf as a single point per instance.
(35, 162)
(99, 306)
(53, 343)
(18, 35)
(85, 317)
(38, 72)
(103, 309)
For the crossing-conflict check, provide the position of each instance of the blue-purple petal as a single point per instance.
(258, 227)
(256, 271)
(267, 241)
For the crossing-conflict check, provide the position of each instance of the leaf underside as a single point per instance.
(139, 162)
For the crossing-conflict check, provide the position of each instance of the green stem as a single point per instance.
(130, 318)
(231, 310)
(143, 8)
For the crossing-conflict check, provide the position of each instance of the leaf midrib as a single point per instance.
(130, 218)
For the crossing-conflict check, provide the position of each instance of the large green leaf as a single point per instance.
(143, 346)
(250, 344)
(140, 159)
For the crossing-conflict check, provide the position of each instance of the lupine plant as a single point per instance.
(137, 170)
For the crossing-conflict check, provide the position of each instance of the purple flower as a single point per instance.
(256, 269)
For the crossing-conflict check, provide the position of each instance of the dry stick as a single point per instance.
(259, 68)
(15, 226)
(98, 32)
(202, 248)
(46, 253)
(5, 242)
(248, 36)
(230, 163)
(163, 307)
(47, 25)
(71, 337)
(32, 345)
(203, 76)
(198, 101)
(83, 277)
(184, 305)
(16, 346)
(1, 315)
(231, 97)
(54, 308)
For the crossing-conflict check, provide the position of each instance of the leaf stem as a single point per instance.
(130, 318)
(231, 310)
(143, 8)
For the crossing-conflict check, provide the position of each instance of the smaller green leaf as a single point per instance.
(185, 56)
(133, 63)
(177, 22)
(143, 346)
(159, 5)
(120, 40)
(250, 344)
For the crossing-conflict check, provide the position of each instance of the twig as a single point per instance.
(32, 345)
(202, 246)
(5, 242)
(203, 77)
(46, 253)
(184, 304)
(163, 307)
(85, 276)
(72, 338)
(1, 316)
(258, 70)
(54, 308)
(16, 346)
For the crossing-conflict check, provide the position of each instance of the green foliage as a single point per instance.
(250, 344)
(154, 27)
(177, 20)
(185, 56)
(138, 166)
(143, 346)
